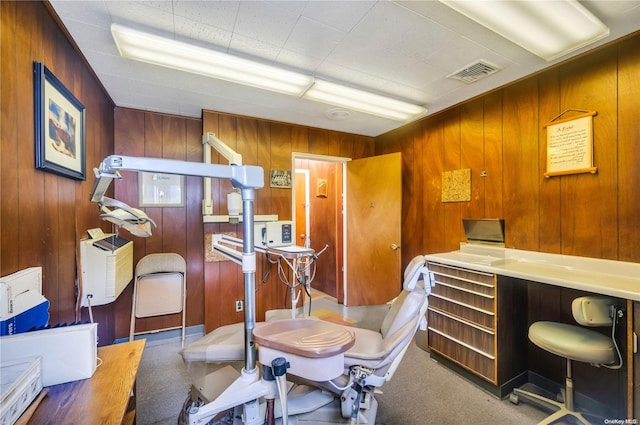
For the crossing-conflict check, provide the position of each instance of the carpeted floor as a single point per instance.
(421, 391)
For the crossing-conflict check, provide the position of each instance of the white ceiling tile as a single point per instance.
(312, 38)
(96, 13)
(220, 14)
(265, 21)
(188, 30)
(248, 47)
(99, 41)
(402, 48)
(341, 15)
(306, 64)
(103, 63)
(334, 72)
(153, 15)
(294, 6)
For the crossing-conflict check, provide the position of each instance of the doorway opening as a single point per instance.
(317, 205)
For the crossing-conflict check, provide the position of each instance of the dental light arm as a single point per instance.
(230, 155)
(244, 177)
(209, 140)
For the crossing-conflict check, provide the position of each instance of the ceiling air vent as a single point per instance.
(474, 72)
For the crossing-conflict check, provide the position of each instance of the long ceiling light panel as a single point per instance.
(548, 29)
(358, 100)
(186, 57)
(174, 54)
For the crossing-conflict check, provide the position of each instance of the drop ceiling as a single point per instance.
(401, 49)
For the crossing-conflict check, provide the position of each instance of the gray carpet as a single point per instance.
(421, 391)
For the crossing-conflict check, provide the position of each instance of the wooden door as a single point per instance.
(374, 207)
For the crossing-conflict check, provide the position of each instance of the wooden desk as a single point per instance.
(104, 399)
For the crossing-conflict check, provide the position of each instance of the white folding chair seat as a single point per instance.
(159, 289)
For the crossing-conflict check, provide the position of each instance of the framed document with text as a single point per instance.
(570, 145)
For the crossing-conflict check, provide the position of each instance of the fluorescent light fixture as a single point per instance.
(549, 29)
(186, 57)
(174, 54)
(358, 100)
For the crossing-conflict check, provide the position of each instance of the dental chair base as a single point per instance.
(313, 350)
(306, 405)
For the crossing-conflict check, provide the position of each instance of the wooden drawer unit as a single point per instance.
(462, 318)
(478, 323)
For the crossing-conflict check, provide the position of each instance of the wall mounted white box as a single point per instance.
(106, 270)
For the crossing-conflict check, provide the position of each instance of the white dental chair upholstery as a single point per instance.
(159, 289)
(379, 350)
(368, 362)
(575, 343)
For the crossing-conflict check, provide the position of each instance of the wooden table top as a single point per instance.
(103, 398)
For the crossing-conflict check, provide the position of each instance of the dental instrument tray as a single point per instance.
(291, 251)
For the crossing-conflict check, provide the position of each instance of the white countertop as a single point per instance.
(607, 277)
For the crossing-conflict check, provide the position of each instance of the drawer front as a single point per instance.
(468, 312)
(478, 338)
(464, 293)
(472, 301)
(462, 318)
(477, 277)
(462, 355)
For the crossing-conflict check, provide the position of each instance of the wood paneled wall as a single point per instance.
(502, 134)
(178, 230)
(213, 287)
(43, 216)
(269, 145)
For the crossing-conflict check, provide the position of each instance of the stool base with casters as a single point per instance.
(575, 343)
(560, 410)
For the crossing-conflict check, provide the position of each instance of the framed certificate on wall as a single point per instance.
(570, 145)
(160, 190)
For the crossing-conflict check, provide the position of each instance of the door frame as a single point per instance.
(306, 201)
(325, 158)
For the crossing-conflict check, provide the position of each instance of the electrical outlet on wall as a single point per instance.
(239, 305)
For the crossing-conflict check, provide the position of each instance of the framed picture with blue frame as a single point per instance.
(59, 126)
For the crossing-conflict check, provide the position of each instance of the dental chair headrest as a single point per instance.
(413, 272)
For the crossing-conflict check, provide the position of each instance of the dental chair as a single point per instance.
(333, 370)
